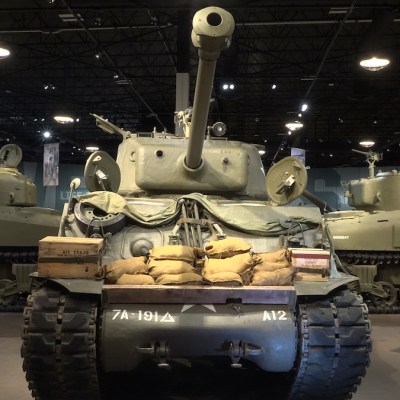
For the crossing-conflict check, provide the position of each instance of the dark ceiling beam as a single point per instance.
(57, 31)
(114, 65)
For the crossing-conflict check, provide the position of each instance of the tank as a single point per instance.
(367, 238)
(165, 195)
(22, 224)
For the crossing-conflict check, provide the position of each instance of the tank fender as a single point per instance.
(81, 286)
(304, 288)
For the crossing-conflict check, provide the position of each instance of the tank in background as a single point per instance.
(22, 225)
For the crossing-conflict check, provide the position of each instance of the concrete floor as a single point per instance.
(381, 382)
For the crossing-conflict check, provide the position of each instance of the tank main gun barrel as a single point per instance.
(322, 205)
(212, 32)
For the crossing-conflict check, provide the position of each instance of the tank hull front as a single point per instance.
(168, 323)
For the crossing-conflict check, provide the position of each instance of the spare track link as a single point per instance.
(334, 347)
(18, 255)
(59, 346)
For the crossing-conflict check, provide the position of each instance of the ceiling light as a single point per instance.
(92, 148)
(367, 143)
(63, 119)
(48, 86)
(374, 63)
(46, 134)
(273, 87)
(338, 10)
(293, 126)
(260, 148)
(4, 53)
(227, 86)
(304, 107)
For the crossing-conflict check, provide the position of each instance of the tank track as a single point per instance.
(59, 346)
(334, 347)
(15, 307)
(371, 257)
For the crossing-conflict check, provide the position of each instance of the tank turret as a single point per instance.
(377, 192)
(15, 188)
(159, 162)
(22, 225)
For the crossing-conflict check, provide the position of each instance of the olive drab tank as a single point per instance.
(165, 202)
(367, 238)
(22, 224)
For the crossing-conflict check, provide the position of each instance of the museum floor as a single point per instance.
(381, 382)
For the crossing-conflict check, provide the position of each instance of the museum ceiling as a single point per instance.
(120, 59)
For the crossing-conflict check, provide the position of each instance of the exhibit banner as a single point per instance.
(50, 164)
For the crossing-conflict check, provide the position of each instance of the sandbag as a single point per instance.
(237, 264)
(175, 252)
(280, 255)
(138, 279)
(271, 265)
(112, 271)
(225, 279)
(187, 278)
(159, 267)
(279, 277)
(226, 248)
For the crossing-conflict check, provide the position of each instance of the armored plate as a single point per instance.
(286, 180)
(102, 173)
(11, 154)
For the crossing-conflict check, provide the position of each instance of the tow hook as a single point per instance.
(242, 349)
(159, 350)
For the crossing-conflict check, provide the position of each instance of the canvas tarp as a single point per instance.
(253, 218)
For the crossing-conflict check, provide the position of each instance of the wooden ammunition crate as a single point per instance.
(312, 264)
(67, 257)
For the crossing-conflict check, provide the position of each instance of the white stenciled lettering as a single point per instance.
(143, 315)
(282, 315)
(274, 315)
(167, 318)
(124, 315)
(342, 237)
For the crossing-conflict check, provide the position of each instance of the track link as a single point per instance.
(28, 255)
(334, 347)
(59, 348)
